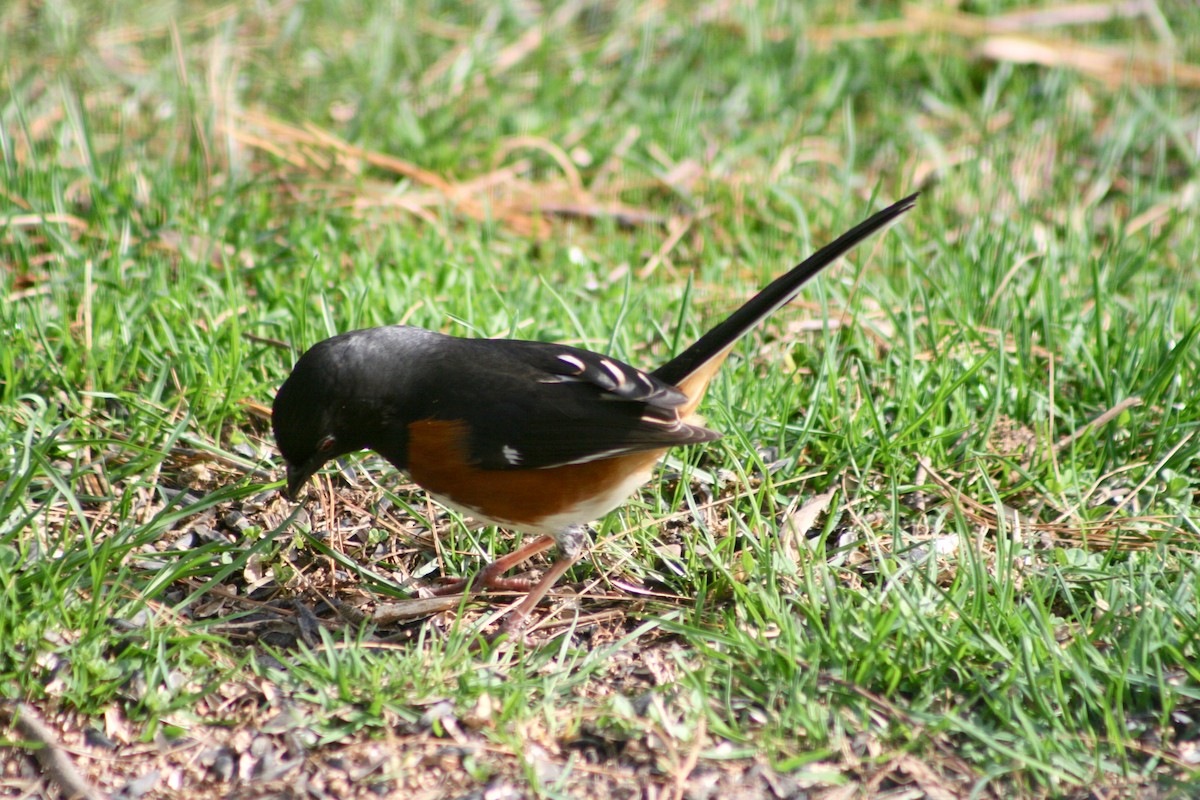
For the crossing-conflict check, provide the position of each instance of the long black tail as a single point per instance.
(701, 359)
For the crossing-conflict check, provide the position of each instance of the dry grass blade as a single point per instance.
(564, 162)
(679, 227)
(1150, 474)
(798, 523)
(1003, 42)
(37, 220)
(131, 34)
(920, 21)
(1071, 14)
(503, 194)
(1104, 534)
(1112, 66)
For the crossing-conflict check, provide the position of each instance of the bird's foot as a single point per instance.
(571, 544)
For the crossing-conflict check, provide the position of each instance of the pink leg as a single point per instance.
(571, 544)
(490, 577)
(516, 617)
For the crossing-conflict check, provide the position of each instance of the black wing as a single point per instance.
(535, 405)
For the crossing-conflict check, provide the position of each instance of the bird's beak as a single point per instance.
(297, 476)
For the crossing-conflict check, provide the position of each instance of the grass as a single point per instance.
(911, 564)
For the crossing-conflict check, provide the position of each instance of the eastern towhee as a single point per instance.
(532, 436)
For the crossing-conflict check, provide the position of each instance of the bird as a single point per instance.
(534, 437)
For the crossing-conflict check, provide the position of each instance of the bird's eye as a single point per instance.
(325, 445)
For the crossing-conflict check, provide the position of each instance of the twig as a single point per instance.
(1101, 419)
(689, 762)
(51, 755)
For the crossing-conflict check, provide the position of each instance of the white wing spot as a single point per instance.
(573, 362)
(617, 373)
(511, 454)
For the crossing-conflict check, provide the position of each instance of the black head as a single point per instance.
(344, 394)
(303, 416)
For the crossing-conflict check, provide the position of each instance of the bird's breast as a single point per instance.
(539, 501)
